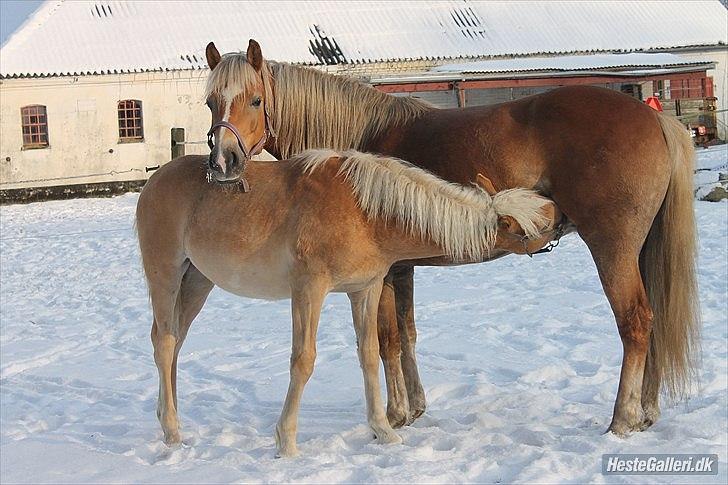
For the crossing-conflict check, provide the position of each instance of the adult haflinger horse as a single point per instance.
(311, 225)
(620, 172)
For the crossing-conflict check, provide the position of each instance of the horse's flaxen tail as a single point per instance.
(667, 263)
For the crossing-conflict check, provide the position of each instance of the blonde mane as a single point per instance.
(314, 109)
(462, 220)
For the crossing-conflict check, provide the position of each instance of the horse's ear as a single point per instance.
(484, 183)
(213, 56)
(552, 213)
(509, 224)
(255, 56)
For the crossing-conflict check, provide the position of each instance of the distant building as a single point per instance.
(94, 92)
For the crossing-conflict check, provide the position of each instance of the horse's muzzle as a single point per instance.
(226, 166)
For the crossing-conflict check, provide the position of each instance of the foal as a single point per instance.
(311, 225)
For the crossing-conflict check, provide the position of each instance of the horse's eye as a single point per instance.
(256, 102)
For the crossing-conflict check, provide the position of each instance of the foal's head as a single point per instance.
(239, 96)
(511, 236)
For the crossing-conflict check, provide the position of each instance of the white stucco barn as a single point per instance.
(91, 90)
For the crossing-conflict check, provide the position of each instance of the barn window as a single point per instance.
(634, 90)
(130, 121)
(35, 126)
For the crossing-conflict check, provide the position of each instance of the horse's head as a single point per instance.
(239, 96)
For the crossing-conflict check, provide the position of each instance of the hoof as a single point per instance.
(172, 438)
(652, 414)
(623, 430)
(617, 431)
(416, 413)
(387, 437)
(397, 418)
(287, 452)
(417, 405)
(646, 423)
(630, 419)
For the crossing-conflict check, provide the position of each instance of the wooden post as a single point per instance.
(178, 145)
(461, 95)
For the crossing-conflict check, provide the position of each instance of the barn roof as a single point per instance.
(613, 63)
(634, 64)
(110, 36)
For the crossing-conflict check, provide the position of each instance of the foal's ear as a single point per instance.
(484, 183)
(552, 213)
(213, 56)
(255, 56)
(509, 224)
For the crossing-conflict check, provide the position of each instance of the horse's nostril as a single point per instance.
(233, 159)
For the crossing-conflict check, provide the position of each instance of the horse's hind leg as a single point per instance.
(651, 390)
(404, 284)
(364, 311)
(389, 350)
(651, 379)
(192, 296)
(306, 302)
(164, 289)
(620, 275)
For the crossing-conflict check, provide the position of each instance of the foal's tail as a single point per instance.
(667, 264)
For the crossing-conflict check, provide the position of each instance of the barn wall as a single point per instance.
(484, 97)
(441, 99)
(83, 126)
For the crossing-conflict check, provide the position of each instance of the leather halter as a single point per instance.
(257, 148)
(555, 232)
(247, 155)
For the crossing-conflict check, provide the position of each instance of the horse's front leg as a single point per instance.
(404, 283)
(306, 303)
(364, 311)
(390, 351)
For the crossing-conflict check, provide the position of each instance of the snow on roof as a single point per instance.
(570, 63)
(109, 36)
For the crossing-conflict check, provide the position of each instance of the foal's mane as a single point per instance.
(462, 220)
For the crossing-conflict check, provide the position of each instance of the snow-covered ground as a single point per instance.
(710, 163)
(519, 358)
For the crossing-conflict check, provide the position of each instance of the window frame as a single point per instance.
(130, 110)
(40, 111)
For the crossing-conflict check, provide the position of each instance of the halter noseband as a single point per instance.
(247, 155)
(257, 147)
